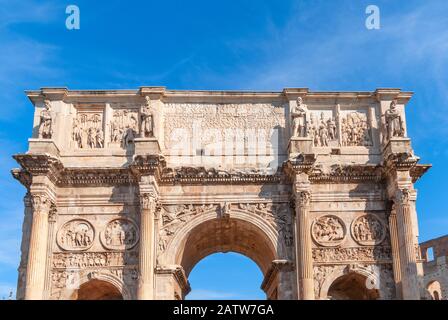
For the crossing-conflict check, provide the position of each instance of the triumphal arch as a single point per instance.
(128, 189)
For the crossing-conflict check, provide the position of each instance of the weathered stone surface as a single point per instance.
(128, 190)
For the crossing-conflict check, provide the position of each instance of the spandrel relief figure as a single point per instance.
(394, 122)
(45, 125)
(298, 115)
(146, 124)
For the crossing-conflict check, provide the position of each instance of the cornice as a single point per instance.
(90, 176)
(418, 171)
(161, 92)
(201, 175)
(38, 165)
(348, 173)
(155, 165)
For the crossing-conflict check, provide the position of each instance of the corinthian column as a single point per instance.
(304, 255)
(395, 251)
(147, 246)
(408, 260)
(37, 254)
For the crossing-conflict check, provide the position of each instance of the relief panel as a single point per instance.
(88, 127)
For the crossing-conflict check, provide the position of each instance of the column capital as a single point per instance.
(303, 198)
(41, 203)
(148, 201)
(404, 196)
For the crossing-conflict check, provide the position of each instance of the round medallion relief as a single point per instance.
(120, 234)
(76, 235)
(328, 230)
(368, 230)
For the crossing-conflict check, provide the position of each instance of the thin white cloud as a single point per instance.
(26, 11)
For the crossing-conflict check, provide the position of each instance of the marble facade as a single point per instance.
(129, 189)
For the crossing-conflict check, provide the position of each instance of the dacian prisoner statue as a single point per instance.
(298, 115)
(394, 122)
(146, 119)
(124, 198)
(45, 126)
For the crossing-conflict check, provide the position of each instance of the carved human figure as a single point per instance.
(328, 230)
(323, 134)
(298, 115)
(394, 123)
(368, 230)
(99, 138)
(331, 125)
(91, 138)
(45, 125)
(146, 126)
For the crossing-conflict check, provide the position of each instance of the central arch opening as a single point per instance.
(226, 276)
(224, 235)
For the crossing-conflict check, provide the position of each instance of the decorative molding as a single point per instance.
(276, 267)
(178, 274)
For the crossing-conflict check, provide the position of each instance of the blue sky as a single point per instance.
(251, 45)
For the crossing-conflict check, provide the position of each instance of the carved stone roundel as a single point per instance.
(120, 234)
(368, 230)
(76, 235)
(328, 230)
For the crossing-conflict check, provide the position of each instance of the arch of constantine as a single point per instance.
(128, 189)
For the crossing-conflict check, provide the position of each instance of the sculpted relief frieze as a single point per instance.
(368, 230)
(88, 130)
(355, 129)
(322, 129)
(337, 255)
(82, 260)
(332, 126)
(120, 234)
(216, 123)
(328, 230)
(76, 235)
(123, 127)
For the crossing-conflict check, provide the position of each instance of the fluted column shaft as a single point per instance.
(395, 251)
(147, 247)
(37, 254)
(304, 254)
(51, 234)
(408, 260)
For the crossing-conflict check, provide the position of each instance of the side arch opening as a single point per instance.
(95, 289)
(352, 286)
